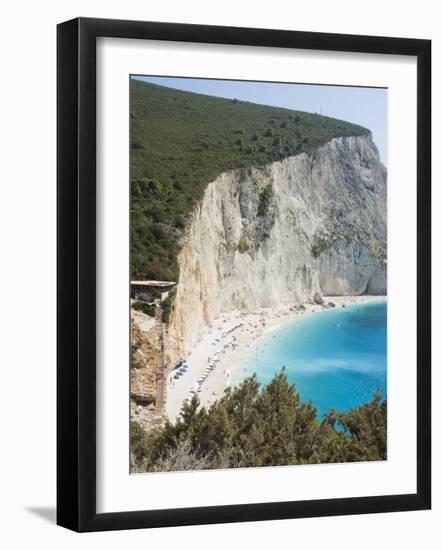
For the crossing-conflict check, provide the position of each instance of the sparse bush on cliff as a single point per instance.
(166, 306)
(243, 244)
(147, 309)
(265, 198)
(320, 244)
(252, 426)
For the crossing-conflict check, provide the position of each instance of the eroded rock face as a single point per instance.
(144, 372)
(279, 234)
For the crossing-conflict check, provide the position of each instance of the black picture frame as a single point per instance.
(76, 274)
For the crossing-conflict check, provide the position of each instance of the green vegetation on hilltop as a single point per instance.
(252, 427)
(181, 141)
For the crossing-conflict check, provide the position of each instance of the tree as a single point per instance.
(254, 426)
(367, 427)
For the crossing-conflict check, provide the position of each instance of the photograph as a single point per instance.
(258, 274)
(227, 222)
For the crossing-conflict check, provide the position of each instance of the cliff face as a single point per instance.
(144, 373)
(278, 234)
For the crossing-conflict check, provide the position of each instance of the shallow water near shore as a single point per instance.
(336, 358)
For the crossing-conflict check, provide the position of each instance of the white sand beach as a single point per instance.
(220, 356)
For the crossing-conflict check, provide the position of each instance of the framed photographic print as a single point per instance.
(243, 274)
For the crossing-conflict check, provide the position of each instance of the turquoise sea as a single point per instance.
(337, 358)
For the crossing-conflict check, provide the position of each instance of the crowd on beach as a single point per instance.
(243, 333)
(224, 342)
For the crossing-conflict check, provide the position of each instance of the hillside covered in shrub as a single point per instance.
(181, 141)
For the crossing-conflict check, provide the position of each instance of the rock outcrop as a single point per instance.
(144, 373)
(261, 237)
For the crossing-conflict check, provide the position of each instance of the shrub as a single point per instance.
(180, 222)
(136, 145)
(166, 306)
(147, 309)
(320, 244)
(243, 244)
(265, 198)
(134, 364)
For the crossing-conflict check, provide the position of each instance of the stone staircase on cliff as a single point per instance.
(142, 390)
(160, 329)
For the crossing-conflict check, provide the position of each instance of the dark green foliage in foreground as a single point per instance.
(181, 141)
(250, 426)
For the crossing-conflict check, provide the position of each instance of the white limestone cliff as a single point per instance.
(275, 235)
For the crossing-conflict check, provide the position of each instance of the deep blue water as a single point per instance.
(336, 358)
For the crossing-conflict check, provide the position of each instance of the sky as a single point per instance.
(364, 106)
